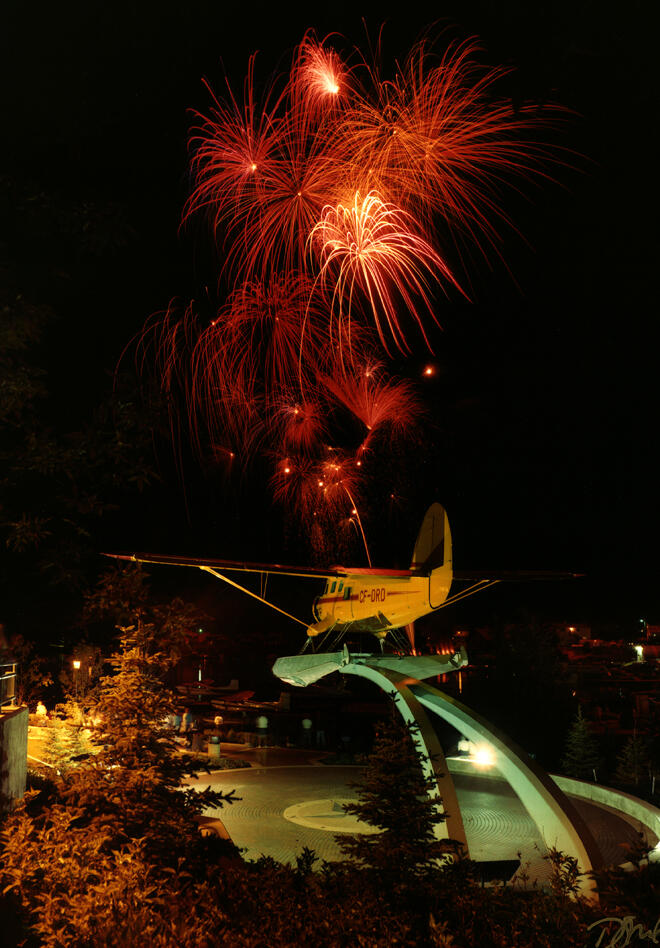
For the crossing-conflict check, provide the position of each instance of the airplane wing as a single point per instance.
(512, 575)
(238, 565)
(247, 567)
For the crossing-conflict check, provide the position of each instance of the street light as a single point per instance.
(483, 756)
(76, 671)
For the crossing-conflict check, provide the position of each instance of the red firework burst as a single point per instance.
(231, 149)
(254, 355)
(372, 247)
(302, 425)
(437, 139)
(319, 81)
(326, 485)
(295, 485)
(387, 408)
(291, 196)
(339, 482)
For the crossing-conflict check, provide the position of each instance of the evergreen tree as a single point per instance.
(141, 766)
(393, 797)
(66, 739)
(633, 763)
(581, 756)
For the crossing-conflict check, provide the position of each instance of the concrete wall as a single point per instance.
(644, 813)
(13, 752)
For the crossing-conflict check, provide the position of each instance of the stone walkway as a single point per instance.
(496, 824)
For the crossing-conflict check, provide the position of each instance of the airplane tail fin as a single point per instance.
(432, 553)
(433, 544)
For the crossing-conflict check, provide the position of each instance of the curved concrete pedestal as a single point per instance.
(432, 755)
(557, 820)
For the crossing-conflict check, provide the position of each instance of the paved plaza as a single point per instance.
(496, 824)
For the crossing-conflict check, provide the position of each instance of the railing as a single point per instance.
(8, 683)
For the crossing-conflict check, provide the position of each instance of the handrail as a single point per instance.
(8, 680)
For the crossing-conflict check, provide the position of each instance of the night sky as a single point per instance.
(545, 399)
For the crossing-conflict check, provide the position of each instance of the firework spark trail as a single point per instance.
(264, 176)
(355, 512)
(339, 480)
(227, 409)
(371, 246)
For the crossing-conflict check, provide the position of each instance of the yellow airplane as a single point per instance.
(366, 600)
(381, 600)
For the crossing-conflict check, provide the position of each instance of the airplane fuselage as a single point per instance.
(378, 603)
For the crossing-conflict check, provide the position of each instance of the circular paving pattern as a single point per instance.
(496, 824)
(327, 815)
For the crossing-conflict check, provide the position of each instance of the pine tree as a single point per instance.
(393, 797)
(67, 740)
(581, 757)
(136, 776)
(633, 763)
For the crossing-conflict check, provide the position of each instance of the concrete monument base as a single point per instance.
(557, 820)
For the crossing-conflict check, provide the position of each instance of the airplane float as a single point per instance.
(360, 600)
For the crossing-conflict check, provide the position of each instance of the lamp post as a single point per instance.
(76, 673)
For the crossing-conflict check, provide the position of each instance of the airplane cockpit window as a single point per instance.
(341, 586)
(333, 587)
